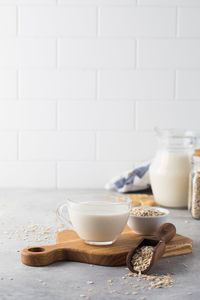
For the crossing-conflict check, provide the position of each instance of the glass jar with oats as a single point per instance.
(194, 186)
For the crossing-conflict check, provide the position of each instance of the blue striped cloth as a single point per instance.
(134, 180)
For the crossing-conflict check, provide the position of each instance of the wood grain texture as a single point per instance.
(70, 247)
(141, 199)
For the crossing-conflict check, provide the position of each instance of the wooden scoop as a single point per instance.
(164, 234)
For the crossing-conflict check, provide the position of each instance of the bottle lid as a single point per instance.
(197, 152)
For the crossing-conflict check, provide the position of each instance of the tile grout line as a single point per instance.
(175, 86)
(177, 22)
(135, 123)
(56, 175)
(176, 36)
(97, 21)
(56, 69)
(56, 107)
(136, 55)
(96, 80)
(95, 145)
(18, 131)
(18, 83)
(97, 36)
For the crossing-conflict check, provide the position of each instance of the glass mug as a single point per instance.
(97, 219)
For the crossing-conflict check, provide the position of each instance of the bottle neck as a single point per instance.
(176, 145)
(176, 150)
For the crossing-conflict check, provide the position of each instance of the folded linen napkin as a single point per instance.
(131, 181)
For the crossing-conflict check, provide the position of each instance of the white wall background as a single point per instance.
(83, 82)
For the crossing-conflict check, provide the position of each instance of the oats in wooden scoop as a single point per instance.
(142, 258)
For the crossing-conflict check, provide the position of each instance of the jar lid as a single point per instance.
(197, 152)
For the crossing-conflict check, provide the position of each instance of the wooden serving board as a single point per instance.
(70, 247)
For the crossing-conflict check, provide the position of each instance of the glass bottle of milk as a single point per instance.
(169, 171)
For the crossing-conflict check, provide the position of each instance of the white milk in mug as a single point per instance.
(169, 171)
(98, 221)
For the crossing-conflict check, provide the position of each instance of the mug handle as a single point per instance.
(63, 216)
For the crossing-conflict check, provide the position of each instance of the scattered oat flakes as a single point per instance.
(156, 281)
(134, 293)
(144, 286)
(90, 282)
(189, 293)
(109, 280)
(82, 295)
(162, 281)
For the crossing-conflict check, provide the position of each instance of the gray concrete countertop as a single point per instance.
(21, 209)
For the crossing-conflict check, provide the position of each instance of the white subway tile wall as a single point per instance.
(8, 21)
(88, 174)
(57, 84)
(57, 146)
(96, 53)
(137, 21)
(96, 115)
(27, 115)
(27, 52)
(136, 84)
(57, 21)
(84, 82)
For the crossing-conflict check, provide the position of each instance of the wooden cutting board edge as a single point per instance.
(70, 247)
(180, 245)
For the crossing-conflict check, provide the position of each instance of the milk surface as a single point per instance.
(169, 175)
(98, 221)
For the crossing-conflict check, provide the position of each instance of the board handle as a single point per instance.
(166, 232)
(43, 255)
